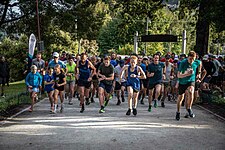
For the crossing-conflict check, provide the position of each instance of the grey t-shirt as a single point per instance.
(40, 64)
(106, 71)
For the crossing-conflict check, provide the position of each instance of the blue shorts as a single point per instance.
(34, 90)
(106, 87)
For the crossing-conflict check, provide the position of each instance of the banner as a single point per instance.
(32, 43)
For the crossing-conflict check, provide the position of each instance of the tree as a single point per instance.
(210, 13)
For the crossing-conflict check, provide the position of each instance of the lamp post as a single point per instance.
(38, 22)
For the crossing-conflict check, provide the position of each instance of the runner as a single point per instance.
(106, 77)
(166, 81)
(94, 79)
(39, 63)
(187, 75)
(49, 82)
(134, 74)
(84, 76)
(55, 61)
(119, 86)
(4, 75)
(144, 82)
(70, 78)
(156, 73)
(60, 82)
(33, 81)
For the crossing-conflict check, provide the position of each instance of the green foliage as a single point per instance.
(15, 51)
(127, 49)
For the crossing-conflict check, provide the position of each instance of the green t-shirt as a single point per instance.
(106, 71)
(184, 66)
(157, 69)
(70, 70)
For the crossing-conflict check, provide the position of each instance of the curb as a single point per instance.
(209, 111)
(17, 114)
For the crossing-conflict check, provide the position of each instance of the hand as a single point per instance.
(209, 76)
(133, 76)
(171, 77)
(77, 76)
(89, 79)
(30, 87)
(151, 74)
(164, 77)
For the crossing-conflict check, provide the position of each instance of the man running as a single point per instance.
(156, 73)
(33, 81)
(84, 76)
(106, 77)
(187, 75)
(134, 74)
(70, 78)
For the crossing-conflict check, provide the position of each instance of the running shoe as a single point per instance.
(186, 115)
(111, 96)
(106, 102)
(162, 104)
(128, 112)
(123, 99)
(82, 108)
(87, 101)
(149, 108)
(101, 110)
(118, 102)
(134, 111)
(92, 100)
(177, 116)
(70, 102)
(155, 103)
(191, 114)
(142, 102)
(62, 109)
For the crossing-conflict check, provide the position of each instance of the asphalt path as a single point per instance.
(112, 130)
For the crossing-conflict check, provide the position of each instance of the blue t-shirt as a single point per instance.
(48, 78)
(113, 62)
(52, 64)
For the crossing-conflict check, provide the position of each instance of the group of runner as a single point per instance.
(157, 77)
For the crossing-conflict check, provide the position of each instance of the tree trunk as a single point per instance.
(202, 29)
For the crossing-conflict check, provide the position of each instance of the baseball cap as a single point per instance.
(145, 58)
(176, 57)
(55, 54)
(205, 57)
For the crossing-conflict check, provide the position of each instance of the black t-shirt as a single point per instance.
(209, 67)
(58, 78)
(106, 71)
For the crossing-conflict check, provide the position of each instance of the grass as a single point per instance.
(15, 95)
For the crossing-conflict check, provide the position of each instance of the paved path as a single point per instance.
(112, 130)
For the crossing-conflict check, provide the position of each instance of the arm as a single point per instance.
(143, 76)
(93, 68)
(64, 82)
(122, 72)
(27, 80)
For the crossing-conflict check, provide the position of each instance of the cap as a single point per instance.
(55, 54)
(205, 57)
(176, 57)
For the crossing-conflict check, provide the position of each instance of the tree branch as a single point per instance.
(4, 12)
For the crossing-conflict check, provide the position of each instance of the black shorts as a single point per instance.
(152, 86)
(117, 86)
(85, 83)
(145, 83)
(106, 87)
(60, 88)
(183, 87)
